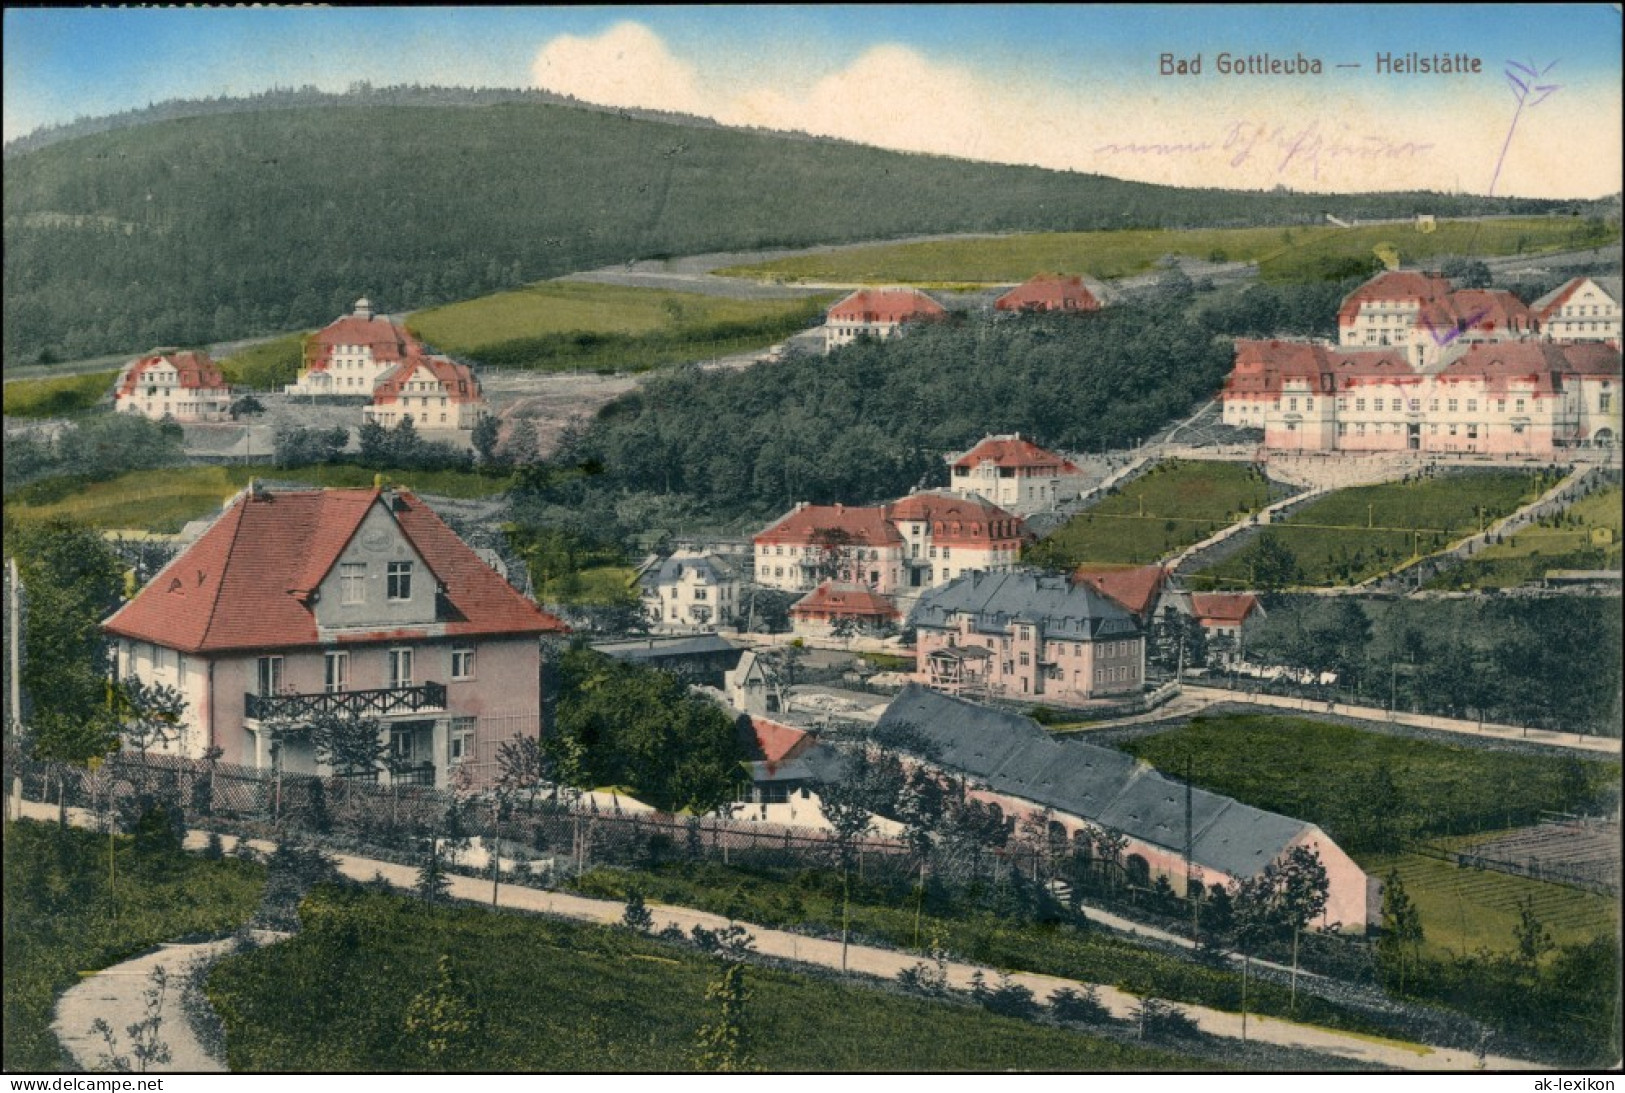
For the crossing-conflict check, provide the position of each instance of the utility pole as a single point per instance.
(1195, 927)
(14, 723)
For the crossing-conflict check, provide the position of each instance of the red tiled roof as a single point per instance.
(1591, 359)
(457, 380)
(1547, 306)
(886, 305)
(194, 371)
(388, 340)
(1475, 309)
(846, 600)
(1013, 451)
(1049, 292)
(246, 583)
(1134, 588)
(820, 525)
(1539, 365)
(1225, 608)
(958, 521)
(772, 743)
(1393, 286)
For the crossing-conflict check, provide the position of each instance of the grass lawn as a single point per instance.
(547, 995)
(165, 501)
(597, 586)
(267, 366)
(560, 325)
(1283, 254)
(1349, 535)
(63, 918)
(1328, 774)
(1171, 506)
(1564, 542)
(1464, 910)
(57, 396)
(812, 900)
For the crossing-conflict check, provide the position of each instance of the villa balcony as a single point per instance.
(382, 702)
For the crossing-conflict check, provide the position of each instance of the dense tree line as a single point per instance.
(91, 449)
(1551, 662)
(871, 420)
(275, 219)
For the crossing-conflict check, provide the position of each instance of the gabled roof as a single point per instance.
(771, 743)
(850, 601)
(1013, 755)
(886, 305)
(247, 582)
(1049, 292)
(1010, 450)
(1134, 587)
(670, 570)
(1394, 286)
(388, 340)
(1540, 365)
(194, 371)
(838, 525)
(1547, 305)
(957, 521)
(996, 600)
(1475, 309)
(457, 380)
(1223, 608)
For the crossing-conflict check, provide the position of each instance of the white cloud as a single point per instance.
(1183, 133)
(627, 65)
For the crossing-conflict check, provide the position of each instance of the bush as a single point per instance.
(1007, 999)
(637, 916)
(1079, 1007)
(1160, 1021)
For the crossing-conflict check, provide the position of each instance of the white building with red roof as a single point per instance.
(351, 354)
(183, 385)
(435, 392)
(918, 542)
(1384, 310)
(1048, 292)
(1528, 398)
(816, 613)
(1227, 619)
(1015, 474)
(297, 604)
(1582, 309)
(877, 313)
(1421, 313)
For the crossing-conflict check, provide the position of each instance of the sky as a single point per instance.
(1067, 87)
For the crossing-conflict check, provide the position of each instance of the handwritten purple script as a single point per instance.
(1521, 78)
(1446, 335)
(1309, 147)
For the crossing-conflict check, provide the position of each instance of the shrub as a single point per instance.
(1081, 1007)
(1160, 1021)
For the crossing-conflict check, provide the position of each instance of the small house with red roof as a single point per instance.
(1015, 474)
(182, 385)
(1137, 589)
(1227, 619)
(817, 613)
(877, 313)
(437, 393)
(1582, 309)
(351, 354)
(295, 604)
(1048, 292)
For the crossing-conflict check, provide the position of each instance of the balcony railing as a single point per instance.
(381, 702)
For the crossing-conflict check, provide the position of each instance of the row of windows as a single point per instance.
(336, 670)
(1114, 675)
(353, 582)
(1415, 405)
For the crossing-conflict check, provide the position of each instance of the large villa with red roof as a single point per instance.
(1015, 474)
(1422, 368)
(435, 392)
(1051, 292)
(180, 385)
(295, 604)
(877, 313)
(351, 354)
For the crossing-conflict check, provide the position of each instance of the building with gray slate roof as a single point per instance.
(690, 591)
(1023, 635)
(1011, 761)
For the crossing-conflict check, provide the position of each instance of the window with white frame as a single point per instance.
(336, 672)
(270, 675)
(460, 739)
(400, 581)
(400, 667)
(352, 582)
(462, 663)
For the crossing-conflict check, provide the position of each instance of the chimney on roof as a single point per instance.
(257, 490)
(363, 308)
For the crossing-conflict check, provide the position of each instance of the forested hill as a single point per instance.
(208, 228)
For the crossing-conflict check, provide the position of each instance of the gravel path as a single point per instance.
(115, 994)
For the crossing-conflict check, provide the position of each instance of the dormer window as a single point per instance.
(400, 581)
